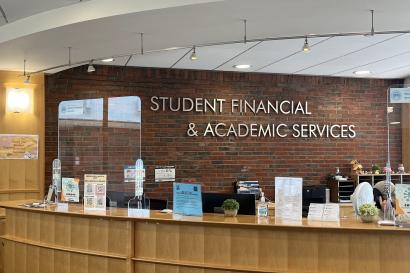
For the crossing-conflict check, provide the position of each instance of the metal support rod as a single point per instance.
(142, 43)
(372, 29)
(244, 37)
(69, 56)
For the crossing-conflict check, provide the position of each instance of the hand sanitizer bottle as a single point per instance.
(262, 206)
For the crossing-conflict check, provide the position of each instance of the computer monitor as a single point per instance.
(212, 202)
(312, 194)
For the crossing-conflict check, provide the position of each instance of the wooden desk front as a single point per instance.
(74, 241)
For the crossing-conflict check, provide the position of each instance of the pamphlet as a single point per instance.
(165, 174)
(187, 199)
(70, 191)
(288, 198)
(324, 212)
(129, 174)
(95, 191)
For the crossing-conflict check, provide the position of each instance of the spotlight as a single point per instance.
(193, 56)
(306, 47)
(90, 68)
(109, 60)
(27, 80)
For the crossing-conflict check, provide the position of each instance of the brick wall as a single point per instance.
(217, 162)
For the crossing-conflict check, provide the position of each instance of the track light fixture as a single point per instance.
(193, 56)
(27, 80)
(306, 47)
(191, 48)
(90, 68)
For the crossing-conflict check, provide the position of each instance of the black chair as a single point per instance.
(151, 203)
(157, 204)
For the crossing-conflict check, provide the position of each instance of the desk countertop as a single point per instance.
(347, 223)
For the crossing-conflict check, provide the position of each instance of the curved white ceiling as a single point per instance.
(103, 28)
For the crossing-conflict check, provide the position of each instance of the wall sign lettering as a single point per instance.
(257, 107)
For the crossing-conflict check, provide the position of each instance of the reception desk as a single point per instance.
(62, 240)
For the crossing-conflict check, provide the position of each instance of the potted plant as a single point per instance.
(230, 207)
(376, 169)
(368, 213)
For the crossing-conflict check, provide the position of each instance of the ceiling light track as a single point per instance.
(371, 63)
(237, 55)
(280, 38)
(288, 56)
(346, 54)
(183, 56)
(128, 60)
(3, 13)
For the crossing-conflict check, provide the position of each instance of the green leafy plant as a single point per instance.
(368, 210)
(375, 168)
(230, 204)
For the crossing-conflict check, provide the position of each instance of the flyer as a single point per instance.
(129, 174)
(187, 199)
(95, 191)
(18, 146)
(165, 174)
(403, 198)
(70, 191)
(288, 198)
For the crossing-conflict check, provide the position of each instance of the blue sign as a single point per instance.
(187, 199)
(400, 95)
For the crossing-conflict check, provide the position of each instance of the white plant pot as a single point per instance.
(368, 218)
(231, 213)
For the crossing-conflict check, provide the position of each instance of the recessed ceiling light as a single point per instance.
(362, 72)
(108, 60)
(242, 66)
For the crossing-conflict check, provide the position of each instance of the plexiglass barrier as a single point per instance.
(101, 136)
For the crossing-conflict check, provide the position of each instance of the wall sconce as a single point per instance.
(18, 100)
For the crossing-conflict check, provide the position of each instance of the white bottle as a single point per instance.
(262, 206)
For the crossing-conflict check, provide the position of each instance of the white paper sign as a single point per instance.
(400, 95)
(403, 197)
(70, 191)
(140, 213)
(165, 174)
(315, 212)
(324, 212)
(95, 191)
(288, 198)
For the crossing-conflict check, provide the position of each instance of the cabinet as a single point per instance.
(340, 191)
(372, 179)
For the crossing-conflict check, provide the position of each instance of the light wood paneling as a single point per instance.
(40, 242)
(52, 241)
(228, 248)
(20, 175)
